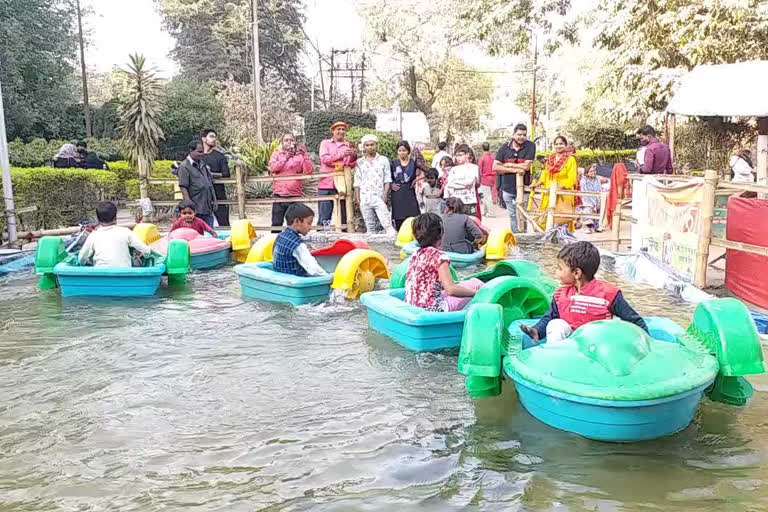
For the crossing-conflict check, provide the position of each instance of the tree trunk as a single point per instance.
(143, 168)
(433, 120)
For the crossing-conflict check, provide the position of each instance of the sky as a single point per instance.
(121, 27)
(114, 32)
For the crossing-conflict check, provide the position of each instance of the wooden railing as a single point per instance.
(241, 179)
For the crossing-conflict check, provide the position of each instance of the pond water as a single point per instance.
(201, 400)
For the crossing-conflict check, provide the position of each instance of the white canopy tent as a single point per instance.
(726, 90)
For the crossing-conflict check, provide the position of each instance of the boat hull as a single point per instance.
(410, 326)
(260, 281)
(210, 259)
(108, 282)
(606, 420)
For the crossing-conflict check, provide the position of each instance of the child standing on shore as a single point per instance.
(290, 254)
(187, 219)
(109, 245)
(430, 193)
(428, 282)
(582, 298)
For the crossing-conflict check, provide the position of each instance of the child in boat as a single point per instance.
(461, 233)
(290, 254)
(582, 298)
(430, 193)
(109, 245)
(187, 219)
(428, 282)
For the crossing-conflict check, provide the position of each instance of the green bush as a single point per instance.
(387, 141)
(317, 124)
(38, 152)
(156, 192)
(63, 196)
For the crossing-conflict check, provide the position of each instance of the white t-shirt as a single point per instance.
(307, 261)
(742, 172)
(109, 247)
(461, 183)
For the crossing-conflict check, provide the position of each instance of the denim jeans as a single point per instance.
(509, 200)
(325, 208)
(207, 218)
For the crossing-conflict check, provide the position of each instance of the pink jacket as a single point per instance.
(331, 154)
(282, 163)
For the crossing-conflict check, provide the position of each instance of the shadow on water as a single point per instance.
(199, 399)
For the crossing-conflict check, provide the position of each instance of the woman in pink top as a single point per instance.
(287, 160)
(335, 154)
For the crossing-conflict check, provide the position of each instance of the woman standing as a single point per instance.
(561, 168)
(404, 202)
(289, 159)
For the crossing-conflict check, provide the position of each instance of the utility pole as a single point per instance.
(256, 71)
(322, 80)
(362, 82)
(533, 95)
(330, 86)
(10, 215)
(86, 106)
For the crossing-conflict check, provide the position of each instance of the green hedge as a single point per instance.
(63, 196)
(38, 152)
(387, 141)
(317, 124)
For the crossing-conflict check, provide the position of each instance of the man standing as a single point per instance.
(514, 157)
(373, 179)
(196, 182)
(335, 154)
(219, 166)
(658, 157)
(439, 155)
(487, 177)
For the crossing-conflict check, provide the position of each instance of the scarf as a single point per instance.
(555, 163)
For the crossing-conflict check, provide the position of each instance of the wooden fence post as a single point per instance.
(349, 201)
(706, 214)
(521, 227)
(551, 204)
(616, 228)
(336, 216)
(240, 189)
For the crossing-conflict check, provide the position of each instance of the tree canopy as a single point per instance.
(653, 42)
(36, 68)
(213, 39)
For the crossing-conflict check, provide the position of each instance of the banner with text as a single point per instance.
(670, 228)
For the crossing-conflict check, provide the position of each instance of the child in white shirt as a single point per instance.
(108, 245)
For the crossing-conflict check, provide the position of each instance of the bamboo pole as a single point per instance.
(706, 214)
(349, 204)
(30, 235)
(520, 187)
(551, 205)
(239, 168)
(531, 222)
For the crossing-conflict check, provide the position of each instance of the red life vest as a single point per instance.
(593, 303)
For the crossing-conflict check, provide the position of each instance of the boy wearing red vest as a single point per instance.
(582, 298)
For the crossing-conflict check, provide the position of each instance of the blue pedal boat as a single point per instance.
(421, 330)
(351, 265)
(612, 381)
(60, 269)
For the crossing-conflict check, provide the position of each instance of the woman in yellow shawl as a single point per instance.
(561, 167)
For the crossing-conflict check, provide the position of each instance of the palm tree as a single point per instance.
(139, 131)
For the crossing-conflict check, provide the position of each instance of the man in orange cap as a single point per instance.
(335, 154)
